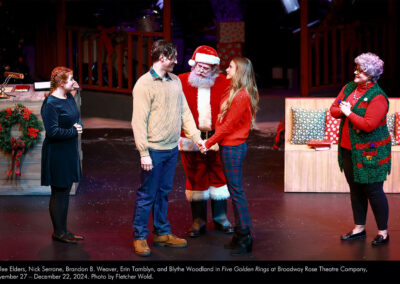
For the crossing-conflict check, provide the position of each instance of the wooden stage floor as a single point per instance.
(287, 226)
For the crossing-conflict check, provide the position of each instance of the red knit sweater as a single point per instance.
(234, 128)
(376, 110)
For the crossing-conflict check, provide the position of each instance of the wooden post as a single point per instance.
(90, 60)
(304, 72)
(119, 56)
(140, 56)
(130, 60)
(61, 34)
(80, 57)
(167, 19)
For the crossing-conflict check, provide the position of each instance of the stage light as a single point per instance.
(290, 5)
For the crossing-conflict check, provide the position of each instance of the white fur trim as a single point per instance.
(204, 108)
(192, 62)
(206, 58)
(186, 144)
(219, 193)
(196, 195)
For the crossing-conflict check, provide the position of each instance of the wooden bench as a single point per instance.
(307, 170)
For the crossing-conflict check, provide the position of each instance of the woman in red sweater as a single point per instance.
(237, 115)
(365, 145)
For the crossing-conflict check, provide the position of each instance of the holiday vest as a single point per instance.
(370, 152)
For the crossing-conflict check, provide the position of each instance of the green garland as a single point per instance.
(29, 124)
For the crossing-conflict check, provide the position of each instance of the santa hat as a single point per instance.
(204, 54)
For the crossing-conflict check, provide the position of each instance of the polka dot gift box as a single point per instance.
(227, 51)
(397, 128)
(230, 32)
(332, 128)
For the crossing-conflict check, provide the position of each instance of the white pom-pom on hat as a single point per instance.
(204, 54)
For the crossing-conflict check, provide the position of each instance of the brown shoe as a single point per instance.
(169, 241)
(141, 247)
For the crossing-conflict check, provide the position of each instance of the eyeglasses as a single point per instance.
(204, 68)
(358, 70)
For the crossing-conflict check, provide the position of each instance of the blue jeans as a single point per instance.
(153, 194)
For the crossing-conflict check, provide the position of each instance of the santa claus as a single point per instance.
(204, 88)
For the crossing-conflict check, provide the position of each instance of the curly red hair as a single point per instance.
(58, 76)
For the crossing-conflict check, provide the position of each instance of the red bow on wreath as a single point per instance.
(18, 148)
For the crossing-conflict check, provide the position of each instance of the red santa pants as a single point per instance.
(202, 171)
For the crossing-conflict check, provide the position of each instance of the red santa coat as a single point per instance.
(216, 92)
(204, 173)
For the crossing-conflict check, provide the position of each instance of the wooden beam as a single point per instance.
(304, 72)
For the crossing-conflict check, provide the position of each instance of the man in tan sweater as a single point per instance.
(160, 111)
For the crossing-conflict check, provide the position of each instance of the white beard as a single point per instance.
(202, 82)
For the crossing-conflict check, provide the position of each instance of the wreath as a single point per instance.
(30, 127)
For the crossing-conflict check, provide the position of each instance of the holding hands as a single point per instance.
(201, 145)
(345, 108)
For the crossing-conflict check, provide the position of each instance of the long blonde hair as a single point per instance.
(244, 78)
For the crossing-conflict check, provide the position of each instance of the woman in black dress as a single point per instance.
(60, 155)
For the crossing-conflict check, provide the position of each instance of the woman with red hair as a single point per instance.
(60, 155)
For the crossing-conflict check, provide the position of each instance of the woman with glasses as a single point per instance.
(237, 115)
(365, 145)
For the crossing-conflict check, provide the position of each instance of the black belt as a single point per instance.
(206, 134)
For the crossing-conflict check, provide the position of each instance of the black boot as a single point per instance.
(199, 214)
(221, 222)
(234, 241)
(244, 243)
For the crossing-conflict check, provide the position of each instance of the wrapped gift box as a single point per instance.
(227, 51)
(319, 143)
(229, 32)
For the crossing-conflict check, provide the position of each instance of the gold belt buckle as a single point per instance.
(369, 158)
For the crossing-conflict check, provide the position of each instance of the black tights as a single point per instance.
(360, 193)
(58, 207)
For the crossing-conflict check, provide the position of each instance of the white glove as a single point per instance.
(147, 163)
(201, 145)
(78, 128)
(345, 108)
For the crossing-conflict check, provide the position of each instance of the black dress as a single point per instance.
(60, 154)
